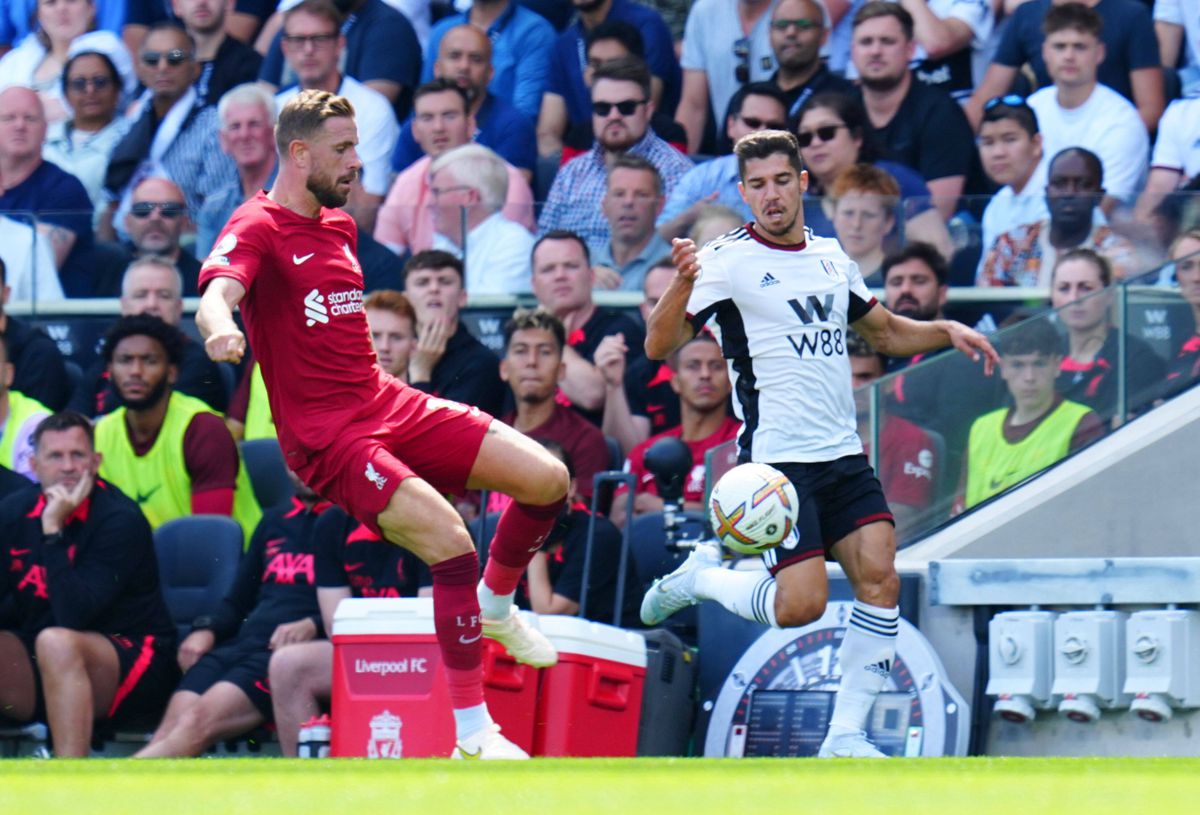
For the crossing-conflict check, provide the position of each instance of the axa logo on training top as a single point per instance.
(318, 308)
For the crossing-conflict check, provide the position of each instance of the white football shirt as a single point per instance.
(781, 314)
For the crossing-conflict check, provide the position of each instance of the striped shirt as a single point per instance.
(574, 200)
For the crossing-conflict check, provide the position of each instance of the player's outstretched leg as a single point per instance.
(421, 520)
(748, 594)
(678, 590)
(868, 558)
(518, 466)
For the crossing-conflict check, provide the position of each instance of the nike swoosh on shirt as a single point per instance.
(18, 552)
(352, 567)
(298, 259)
(997, 483)
(141, 499)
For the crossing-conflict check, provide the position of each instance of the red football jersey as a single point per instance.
(304, 317)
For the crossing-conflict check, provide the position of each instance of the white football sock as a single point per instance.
(747, 594)
(470, 720)
(866, 660)
(493, 606)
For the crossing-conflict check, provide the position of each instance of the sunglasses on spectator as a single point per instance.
(176, 56)
(82, 83)
(801, 24)
(316, 40)
(1012, 100)
(625, 108)
(741, 50)
(760, 124)
(822, 133)
(167, 209)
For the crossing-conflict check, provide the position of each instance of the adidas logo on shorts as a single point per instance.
(882, 668)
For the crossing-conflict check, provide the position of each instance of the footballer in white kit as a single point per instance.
(782, 300)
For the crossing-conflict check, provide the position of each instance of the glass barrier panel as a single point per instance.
(1165, 314)
(29, 257)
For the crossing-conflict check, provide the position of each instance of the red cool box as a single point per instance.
(389, 689)
(591, 701)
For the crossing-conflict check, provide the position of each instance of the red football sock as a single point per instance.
(456, 619)
(519, 533)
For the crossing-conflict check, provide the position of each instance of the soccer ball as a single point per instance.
(753, 508)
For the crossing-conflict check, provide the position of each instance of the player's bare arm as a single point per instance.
(223, 340)
(668, 327)
(899, 336)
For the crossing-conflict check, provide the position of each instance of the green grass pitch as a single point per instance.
(566, 786)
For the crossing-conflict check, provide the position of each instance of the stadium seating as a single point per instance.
(197, 562)
(616, 458)
(267, 471)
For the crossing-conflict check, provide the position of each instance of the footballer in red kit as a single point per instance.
(382, 450)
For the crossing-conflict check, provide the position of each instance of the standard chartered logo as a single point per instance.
(319, 308)
(314, 308)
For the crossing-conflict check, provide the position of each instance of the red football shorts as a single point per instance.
(418, 434)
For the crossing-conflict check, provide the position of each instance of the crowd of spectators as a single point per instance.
(506, 153)
(96, 99)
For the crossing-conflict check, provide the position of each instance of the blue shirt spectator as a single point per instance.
(569, 60)
(522, 42)
(16, 14)
(755, 106)
(719, 175)
(556, 12)
(498, 125)
(59, 198)
(574, 199)
(381, 45)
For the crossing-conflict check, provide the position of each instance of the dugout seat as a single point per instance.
(616, 458)
(197, 562)
(267, 471)
(482, 530)
(652, 559)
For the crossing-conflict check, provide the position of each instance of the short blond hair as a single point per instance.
(303, 116)
(390, 300)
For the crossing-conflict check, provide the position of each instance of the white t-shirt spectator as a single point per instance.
(32, 273)
(496, 257)
(1107, 125)
(1184, 13)
(712, 29)
(377, 131)
(1178, 144)
(1007, 210)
